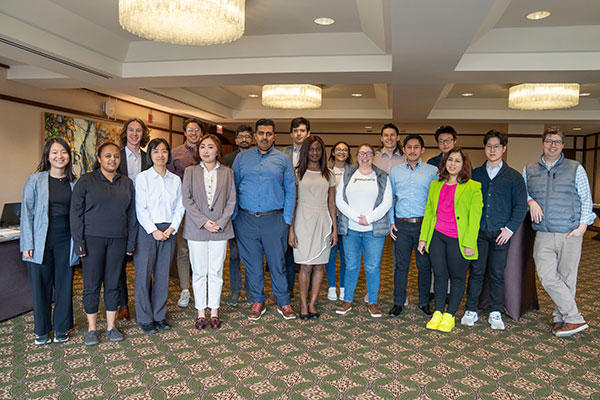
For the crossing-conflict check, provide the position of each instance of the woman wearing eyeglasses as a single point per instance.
(363, 197)
(449, 233)
(340, 159)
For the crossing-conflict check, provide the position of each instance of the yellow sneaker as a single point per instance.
(434, 322)
(447, 323)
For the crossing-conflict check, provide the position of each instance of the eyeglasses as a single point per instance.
(493, 147)
(341, 150)
(446, 141)
(244, 137)
(365, 153)
(550, 142)
(190, 130)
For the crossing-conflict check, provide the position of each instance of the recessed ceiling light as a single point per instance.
(576, 129)
(356, 94)
(324, 21)
(467, 94)
(253, 95)
(534, 16)
(368, 127)
(584, 94)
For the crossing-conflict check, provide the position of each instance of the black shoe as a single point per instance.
(304, 317)
(315, 315)
(396, 311)
(148, 328)
(163, 325)
(426, 309)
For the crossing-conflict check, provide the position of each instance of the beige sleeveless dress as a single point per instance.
(313, 223)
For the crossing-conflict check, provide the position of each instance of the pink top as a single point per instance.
(446, 219)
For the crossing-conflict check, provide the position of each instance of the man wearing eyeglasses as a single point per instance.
(560, 203)
(266, 193)
(504, 208)
(182, 157)
(243, 141)
(445, 136)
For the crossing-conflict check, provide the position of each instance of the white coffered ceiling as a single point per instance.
(411, 59)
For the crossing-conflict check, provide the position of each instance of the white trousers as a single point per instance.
(207, 260)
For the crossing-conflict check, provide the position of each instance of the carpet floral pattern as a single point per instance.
(352, 356)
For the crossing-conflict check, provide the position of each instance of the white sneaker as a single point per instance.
(366, 299)
(469, 318)
(184, 298)
(342, 292)
(495, 320)
(332, 294)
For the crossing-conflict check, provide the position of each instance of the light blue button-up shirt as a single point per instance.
(410, 189)
(265, 182)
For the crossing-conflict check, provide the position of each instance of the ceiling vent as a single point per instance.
(54, 58)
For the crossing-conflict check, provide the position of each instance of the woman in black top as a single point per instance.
(46, 241)
(104, 226)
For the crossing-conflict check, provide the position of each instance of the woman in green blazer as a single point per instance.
(449, 233)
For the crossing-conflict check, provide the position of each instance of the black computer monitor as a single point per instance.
(11, 215)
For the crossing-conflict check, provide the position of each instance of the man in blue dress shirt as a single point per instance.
(410, 186)
(266, 190)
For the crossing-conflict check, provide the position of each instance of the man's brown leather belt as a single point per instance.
(412, 220)
(262, 214)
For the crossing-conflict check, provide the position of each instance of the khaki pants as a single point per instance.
(557, 261)
(183, 259)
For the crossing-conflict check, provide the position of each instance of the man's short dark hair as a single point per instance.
(502, 137)
(265, 122)
(243, 128)
(553, 130)
(195, 121)
(296, 122)
(390, 126)
(414, 137)
(445, 129)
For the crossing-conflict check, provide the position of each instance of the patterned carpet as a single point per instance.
(352, 356)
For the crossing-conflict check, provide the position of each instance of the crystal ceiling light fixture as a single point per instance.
(187, 22)
(291, 97)
(543, 96)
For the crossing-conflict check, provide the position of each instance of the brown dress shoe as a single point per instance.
(374, 310)
(556, 325)
(343, 308)
(123, 313)
(569, 329)
(258, 309)
(286, 311)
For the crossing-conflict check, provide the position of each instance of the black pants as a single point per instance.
(102, 265)
(493, 256)
(53, 274)
(407, 239)
(447, 262)
(123, 293)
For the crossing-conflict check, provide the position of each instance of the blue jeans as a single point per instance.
(330, 267)
(355, 245)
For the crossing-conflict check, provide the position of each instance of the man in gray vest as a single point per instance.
(560, 203)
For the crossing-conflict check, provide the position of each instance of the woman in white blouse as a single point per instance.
(159, 211)
(209, 201)
(363, 198)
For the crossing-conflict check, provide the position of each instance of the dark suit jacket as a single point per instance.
(123, 165)
(229, 158)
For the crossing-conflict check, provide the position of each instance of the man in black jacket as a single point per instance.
(134, 135)
(504, 208)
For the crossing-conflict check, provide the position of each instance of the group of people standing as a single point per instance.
(296, 209)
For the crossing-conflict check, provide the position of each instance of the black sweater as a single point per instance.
(103, 208)
(504, 198)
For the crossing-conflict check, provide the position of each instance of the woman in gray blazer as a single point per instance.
(46, 242)
(209, 201)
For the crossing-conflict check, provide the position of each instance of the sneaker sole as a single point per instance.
(260, 315)
(115, 340)
(343, 312)
(572, 332)
(376, 315)
(182, 305)
(283, 315)
(61, 340)
(468, 324)
(42, 343)
(331, 298)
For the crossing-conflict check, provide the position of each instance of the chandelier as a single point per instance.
(543, 96)
(291, 96)
(190, 22)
